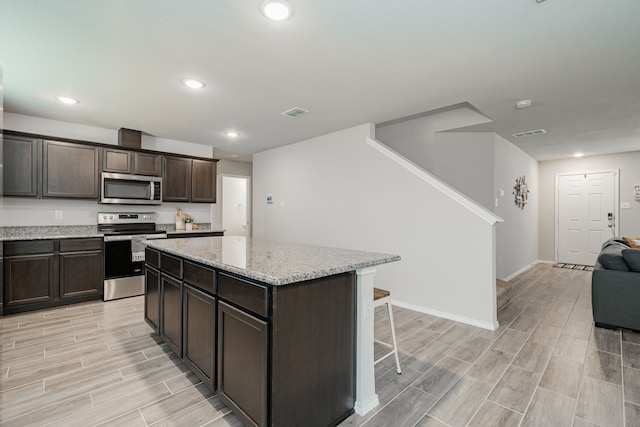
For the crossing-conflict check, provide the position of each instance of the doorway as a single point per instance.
(586, 215)
(236, 205)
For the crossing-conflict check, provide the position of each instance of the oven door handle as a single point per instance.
(117, 238)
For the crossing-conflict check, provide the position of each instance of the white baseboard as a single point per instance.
(544, 261)
(473, 322)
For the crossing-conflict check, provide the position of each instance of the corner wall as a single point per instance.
(336, 190)
(517, 236)
(629, 219)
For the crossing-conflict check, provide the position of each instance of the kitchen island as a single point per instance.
(283, 332)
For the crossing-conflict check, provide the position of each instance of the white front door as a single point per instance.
(586, 215)
(235, 209)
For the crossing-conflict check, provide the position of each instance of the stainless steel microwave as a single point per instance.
(126, 189)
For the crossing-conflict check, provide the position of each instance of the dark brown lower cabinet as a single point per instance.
(46, 273)
(284, 355)
(171, 312)
(152, 297)
(242, 363)
(199, 331)
(81, 268)
(29, 279)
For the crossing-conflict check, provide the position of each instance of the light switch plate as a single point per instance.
(625, 205)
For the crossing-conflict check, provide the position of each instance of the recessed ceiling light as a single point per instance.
(525, 103)
(67, 100)
(277, 10)
(578, 155)
(234, 155)
(232, 134)
(193, 84)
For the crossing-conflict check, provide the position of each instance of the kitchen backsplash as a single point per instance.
(28, 212)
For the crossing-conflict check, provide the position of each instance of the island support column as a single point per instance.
(366, 397)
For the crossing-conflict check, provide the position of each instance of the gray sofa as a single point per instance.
(615, 286)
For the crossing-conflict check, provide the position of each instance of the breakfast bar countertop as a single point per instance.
(271, 262)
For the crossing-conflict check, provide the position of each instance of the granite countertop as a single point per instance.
(274, 263)
(49, 232)
(42, 232)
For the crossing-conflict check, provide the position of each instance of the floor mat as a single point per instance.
(574, 266)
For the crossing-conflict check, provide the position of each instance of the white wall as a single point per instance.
(466, 161)
(416, 138)
(478, 164)
(336, 190)
(517, 236)
(23, 211)
(629, 176)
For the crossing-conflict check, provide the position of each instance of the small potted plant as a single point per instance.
(188, 222)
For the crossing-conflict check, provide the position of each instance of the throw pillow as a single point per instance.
(611, 257)
(632, 258)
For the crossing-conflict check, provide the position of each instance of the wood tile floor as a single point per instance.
(100, 364)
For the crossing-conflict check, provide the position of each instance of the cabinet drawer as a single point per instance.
(28, 247)
(152, 257)
(78, 245)
(200, 277)
(246, 294)
(171, 265)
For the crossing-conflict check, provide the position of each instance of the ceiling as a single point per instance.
(346, 62)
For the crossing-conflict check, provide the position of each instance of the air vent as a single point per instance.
(294, 112)
(529, 133)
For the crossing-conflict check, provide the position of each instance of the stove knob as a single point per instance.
(104, 217)
(110, 216)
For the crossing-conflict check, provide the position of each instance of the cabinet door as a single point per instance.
(176, 181)
(242, 363)
(147, 164)
(117, 161)
(171, 313)
(203, 181)
(20, 173)
(29, 279)
(152, 297)
(70, 170)
(81, 273)
(198, 333)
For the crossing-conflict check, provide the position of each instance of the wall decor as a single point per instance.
(637, 192)
(520, 190)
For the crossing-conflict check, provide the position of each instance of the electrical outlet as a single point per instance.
(625, 205)
(282, 203)
(58, 214)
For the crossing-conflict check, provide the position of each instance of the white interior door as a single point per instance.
(235, 205)
(586, 215)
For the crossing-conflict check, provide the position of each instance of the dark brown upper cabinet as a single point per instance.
(131, 162)
(203, 181)
(117, 161)
(70, 170)
(147, 164)
(21, 166)
(189, 180)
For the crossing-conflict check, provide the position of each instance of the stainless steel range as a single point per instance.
(124, 251)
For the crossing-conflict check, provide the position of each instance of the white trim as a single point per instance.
(522, 270)
(545, 261)
(454, 317)
(556, 212)
(366, 397)
(452, 193)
